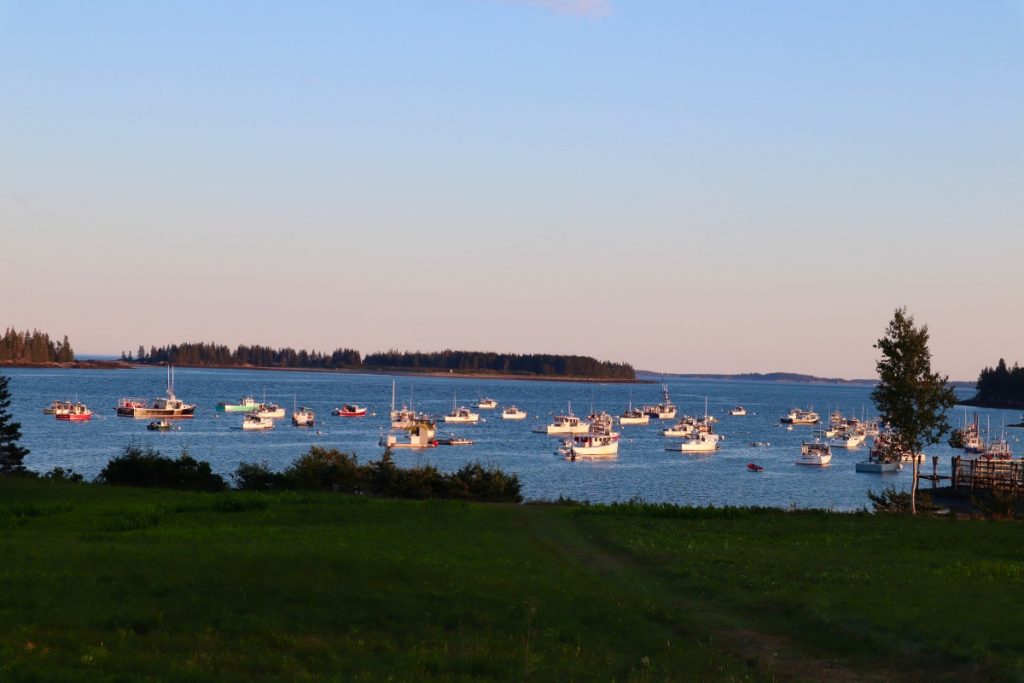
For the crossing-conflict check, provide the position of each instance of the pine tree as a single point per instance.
(142, 354)
(11, 454)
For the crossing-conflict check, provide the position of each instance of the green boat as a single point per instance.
(246, 405)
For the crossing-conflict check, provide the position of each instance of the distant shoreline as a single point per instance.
(408, 373)
(1009, 405)
(71, 365)
(775, 377)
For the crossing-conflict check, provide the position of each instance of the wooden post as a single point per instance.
(935, 471)
(954, 465)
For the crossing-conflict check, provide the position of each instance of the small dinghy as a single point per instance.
(754, 467)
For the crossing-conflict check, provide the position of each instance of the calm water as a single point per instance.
(643, 467)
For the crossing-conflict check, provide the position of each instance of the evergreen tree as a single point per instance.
(911, 399)
(141, 357)
(11, 454)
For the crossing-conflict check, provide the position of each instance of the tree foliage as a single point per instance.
(12, 455)
(1000, 386)
(911, 399)
(34, 347)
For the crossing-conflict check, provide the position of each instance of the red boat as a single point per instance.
(754, 467)
(350, 411)
(78, 412)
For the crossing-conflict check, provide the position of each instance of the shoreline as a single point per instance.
(71, 365)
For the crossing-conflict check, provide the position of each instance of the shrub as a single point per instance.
(486, 483)
(893, 501)
(251, 476)
(61, 474)
(324, 470)
(148, 467)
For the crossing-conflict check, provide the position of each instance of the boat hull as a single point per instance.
(232, 408)
(164, 413)
(513, 416)
(877, 467)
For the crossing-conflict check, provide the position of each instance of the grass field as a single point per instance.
(104, 583)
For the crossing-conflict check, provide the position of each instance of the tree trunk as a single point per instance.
(913, 488)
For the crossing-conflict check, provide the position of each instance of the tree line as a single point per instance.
(199, 354)
(1000, 386)
(34, 347)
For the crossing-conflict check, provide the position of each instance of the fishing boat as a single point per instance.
(454, 441)
(760, 444)
(76, 412)
(255, 422)
(593, 445)
(57, 406)
(686, 427)
(513, 413)
(461, 414)
(349, 410)
(487, 404)
(666, 410)
(848, 439)
(798, 416)
(415, 437)
(247, 405)
(303, 417)
(701, 442)
(167, 407)
(634, 416)
(271, 411)
(565, 424)
(816, 454)
(404, 417)
(160, 426)
(738, 411)
(878, 462)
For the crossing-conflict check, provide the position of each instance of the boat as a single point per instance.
(879, 462)
(754, 467)
(594, 444)
(666, 410)
(701, 442)
(565, 424)
(57, 406)
(255, 422)
(247, 405)
(738, 411)
(303, 417)
(998, 449)
(461, 414)
(798, 416)
(816, 454)
(513, 413)
(760, 444)
(404, 417)
(848, 439)
(686, 427)
(160, 426)
(454, 441)
(168, 407)
(270, 411)
(487, 404)
(415, 437)
(349, 410)
(634, 416)
(76, 412)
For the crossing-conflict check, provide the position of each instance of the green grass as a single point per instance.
(105, 583)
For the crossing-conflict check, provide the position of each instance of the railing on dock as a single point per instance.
(985, 473)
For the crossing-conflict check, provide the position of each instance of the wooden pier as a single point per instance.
(988, 474)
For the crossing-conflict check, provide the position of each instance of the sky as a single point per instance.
(687, 186)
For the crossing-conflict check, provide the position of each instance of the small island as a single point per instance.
(999, 387)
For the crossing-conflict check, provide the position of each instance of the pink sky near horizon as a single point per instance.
(684, 186)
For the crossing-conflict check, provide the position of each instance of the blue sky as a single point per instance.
(687, 186)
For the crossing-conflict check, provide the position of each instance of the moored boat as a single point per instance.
(513, 413)
(738, 411)
(76, 412)
(591, 445)
(255, 422)
(349, 410)
(247, 405)
(271, 411)
(565, 424)
(701, 442)
(167, 407)
(799, 416)
(303, 417)
(847, 439)
(57, 406)
(816, 454)
(666, 410)
(487, 404)
(160, 426)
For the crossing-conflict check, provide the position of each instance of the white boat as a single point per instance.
(666, 410)
(815, 454)
(684, 428)
(738, 411)
(634, 416)
(565, 424)
(701, 442)
(798, 416)
(57, 406)
(998, 449)
(487, 404)
(253, 422)
(846, 440)
(513, 413)
(303, 417)
(593, 445)
(871, 466)
(418, 436)
(270, 411)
